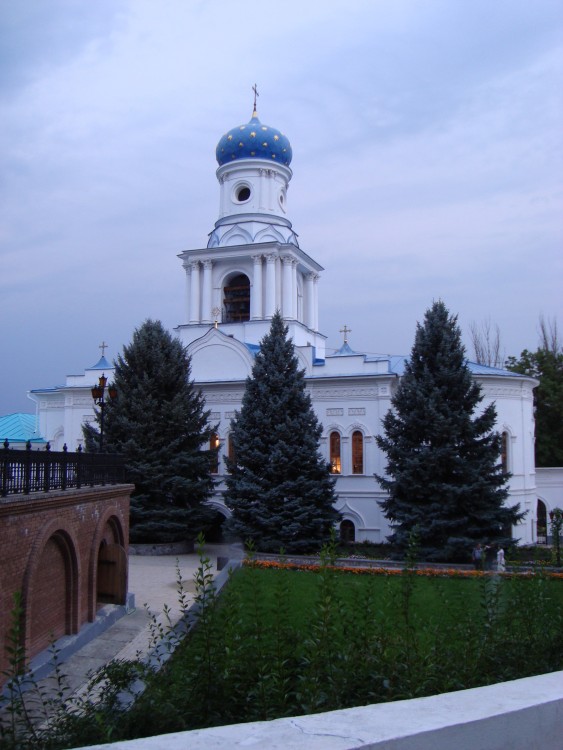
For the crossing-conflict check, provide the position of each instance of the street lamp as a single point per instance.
(98, 394)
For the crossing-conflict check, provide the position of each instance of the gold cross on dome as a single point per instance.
(345, 331)
(255, 89)
(103, 346)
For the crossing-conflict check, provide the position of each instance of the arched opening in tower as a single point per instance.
(236, 299)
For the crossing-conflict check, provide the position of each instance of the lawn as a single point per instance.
(285, 642)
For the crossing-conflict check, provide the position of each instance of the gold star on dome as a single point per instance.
(253, 153)
(264, 127)
(265, 144)
(229, 137)
(242, 127)
(276, 138)
(241, 144)
(273, 156)
(253, 134)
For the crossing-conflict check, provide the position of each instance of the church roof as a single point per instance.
(254, 141)
(102, 364)
(19, 428)
(344, 351)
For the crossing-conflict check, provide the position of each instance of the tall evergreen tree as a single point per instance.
(279, 488)
(159, 424)
(444, 473)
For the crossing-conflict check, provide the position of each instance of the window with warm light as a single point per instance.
(357, 452)
(335, 460)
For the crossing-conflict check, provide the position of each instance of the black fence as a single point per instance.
(26, 471)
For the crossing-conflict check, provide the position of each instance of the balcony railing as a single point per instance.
(28, 471)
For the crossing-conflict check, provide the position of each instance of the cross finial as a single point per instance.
(255, 89)
(103, 346)
(216, 312)
(345, 331)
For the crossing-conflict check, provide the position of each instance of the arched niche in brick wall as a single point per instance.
(51, 587)
(108, 569)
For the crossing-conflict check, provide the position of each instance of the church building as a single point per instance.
(252, 266)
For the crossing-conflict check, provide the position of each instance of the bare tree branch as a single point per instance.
(549, 335)
(487, 347)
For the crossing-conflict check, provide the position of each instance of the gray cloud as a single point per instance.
(427, 161)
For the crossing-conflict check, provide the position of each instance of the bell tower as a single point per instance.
(252, 265)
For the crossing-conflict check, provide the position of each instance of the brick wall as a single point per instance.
(49, 548)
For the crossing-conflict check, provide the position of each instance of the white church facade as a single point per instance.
(252, 266)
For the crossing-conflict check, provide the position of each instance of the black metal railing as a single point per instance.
(28, 471)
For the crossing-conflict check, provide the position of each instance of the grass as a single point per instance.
(282, 642)
(287, 642)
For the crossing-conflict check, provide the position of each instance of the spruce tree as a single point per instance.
(159, 424)
(444, 473)
(279, 488)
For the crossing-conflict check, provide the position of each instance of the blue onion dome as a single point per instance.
(254, 141)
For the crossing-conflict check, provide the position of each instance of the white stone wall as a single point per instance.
(522, 714)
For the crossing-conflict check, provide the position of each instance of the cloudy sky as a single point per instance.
(428, 163)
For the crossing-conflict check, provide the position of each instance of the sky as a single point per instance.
(427, 164)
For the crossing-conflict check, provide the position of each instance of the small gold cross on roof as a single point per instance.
(255, 89)
(345, 331)
(103, 346)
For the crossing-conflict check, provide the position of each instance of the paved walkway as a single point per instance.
(153, 581)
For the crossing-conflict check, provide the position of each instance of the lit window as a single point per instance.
(357, 453)
(214, 446)
(335, 462)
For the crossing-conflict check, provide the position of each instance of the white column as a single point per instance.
(294, 290)
(188, 270)
(270, 174)
(194, 293)
(316, 303)
(287, 288)
(256, 292)
(222, 195)
(270, 285)
(261, 188)
(309, 300)
(206, 315)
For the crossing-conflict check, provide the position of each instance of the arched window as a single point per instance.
(541, 521)
(504, 451)
(237, 299)
(347, 531)
(335, 461)
(357, 452)
(214, 446)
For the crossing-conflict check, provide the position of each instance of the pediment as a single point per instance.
(217, 357)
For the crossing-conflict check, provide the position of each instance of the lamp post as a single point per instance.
(98, 394)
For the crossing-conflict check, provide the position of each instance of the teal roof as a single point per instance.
(19, 428)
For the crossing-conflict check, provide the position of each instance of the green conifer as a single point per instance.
(279, 487)
(159, 424)
(444, 474)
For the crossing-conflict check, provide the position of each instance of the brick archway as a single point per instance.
(50, 594)
(109, 533)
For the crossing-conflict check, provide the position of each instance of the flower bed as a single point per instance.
(426, 572)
